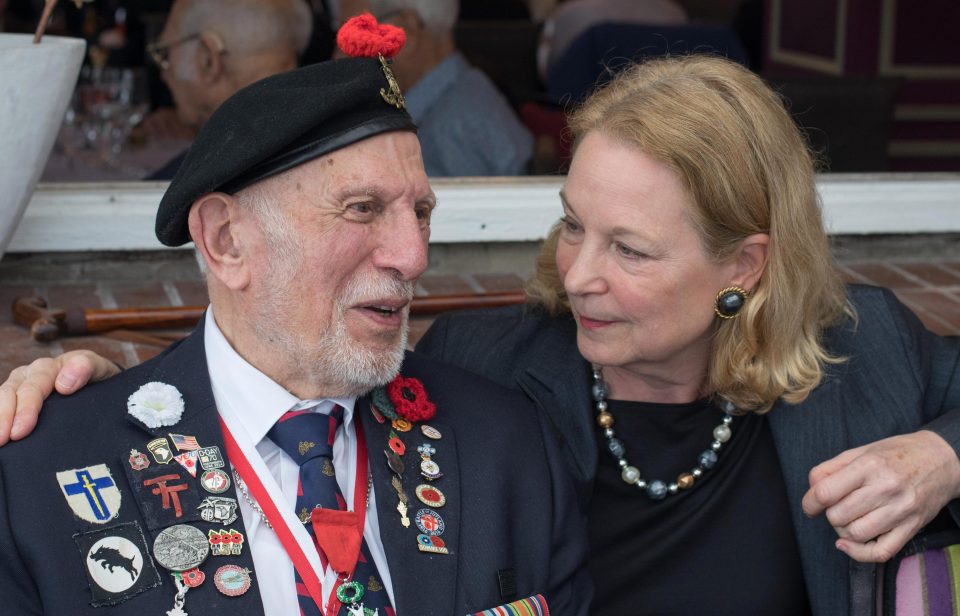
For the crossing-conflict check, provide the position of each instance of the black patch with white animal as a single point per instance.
(117, 562)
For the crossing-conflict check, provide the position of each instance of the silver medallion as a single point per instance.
(181, 547)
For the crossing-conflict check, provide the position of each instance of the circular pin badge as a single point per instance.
(192, 578)
(232, 580)
(430, 495)
(181, 547)
(430, 432)
(430, 470)
(429, 522)
(215, 481)
(401, 425)
(397, 446)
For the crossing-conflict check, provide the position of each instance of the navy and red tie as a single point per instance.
(307, 437)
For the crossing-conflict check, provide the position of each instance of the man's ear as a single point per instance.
(215, 226)
(751, 260)
(210, 57)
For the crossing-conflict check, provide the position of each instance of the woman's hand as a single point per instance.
(878, 496)
(24, 391)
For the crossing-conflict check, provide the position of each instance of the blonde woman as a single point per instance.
(742, 426)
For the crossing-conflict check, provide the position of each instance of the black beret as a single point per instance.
(278, 123)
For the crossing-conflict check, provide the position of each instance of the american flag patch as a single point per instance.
(184, 443)
(531, 606)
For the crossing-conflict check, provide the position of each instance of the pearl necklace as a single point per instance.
(656, 489)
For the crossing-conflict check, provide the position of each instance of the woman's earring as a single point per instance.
(729, 302)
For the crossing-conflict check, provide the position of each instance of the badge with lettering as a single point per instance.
(138, 460)
(117, 563)
(430, 495)
(188, 460)
(218, 510)
(429, 522)
(432, 544)
(210, 457)
(91, 493)
(160, 449)
(165, 495)
(232, 580)
(430, 432)
(215, 481)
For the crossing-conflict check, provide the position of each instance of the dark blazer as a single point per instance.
(510, 534)
(899, 378)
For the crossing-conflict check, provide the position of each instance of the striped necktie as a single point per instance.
(307, 437)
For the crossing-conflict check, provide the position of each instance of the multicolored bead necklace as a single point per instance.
(656, 489)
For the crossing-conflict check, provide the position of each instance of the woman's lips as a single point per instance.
(593, 324)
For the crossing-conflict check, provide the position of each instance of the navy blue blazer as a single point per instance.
(511, 529)
(899, 378)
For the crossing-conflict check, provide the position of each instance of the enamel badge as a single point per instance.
(432, 544)
(138, 461)
(218, 509)
(91, 493)
(160, 450)
(232, 580)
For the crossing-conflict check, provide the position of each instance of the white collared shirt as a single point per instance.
(250, 403)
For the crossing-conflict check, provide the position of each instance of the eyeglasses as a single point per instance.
(160, 52)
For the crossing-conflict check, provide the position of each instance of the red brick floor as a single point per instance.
(931, 289)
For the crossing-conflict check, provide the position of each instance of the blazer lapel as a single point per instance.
(416, 575)
(185, 367)
(806, 435)
(557, 380)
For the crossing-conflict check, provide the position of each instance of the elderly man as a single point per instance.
(467, 127)
(209, 49)
(246, 468)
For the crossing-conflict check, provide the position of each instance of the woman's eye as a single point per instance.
(628, 252)
(569, 225)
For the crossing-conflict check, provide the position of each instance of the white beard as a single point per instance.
(336, 363)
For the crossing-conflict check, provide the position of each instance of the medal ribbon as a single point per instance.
(338, 539)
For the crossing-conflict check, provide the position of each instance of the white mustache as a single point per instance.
(367, 289)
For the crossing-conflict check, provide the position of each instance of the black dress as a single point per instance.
(725, 546)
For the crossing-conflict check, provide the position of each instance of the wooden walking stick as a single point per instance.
(48, 324)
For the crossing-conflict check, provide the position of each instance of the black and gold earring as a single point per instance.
(729, 302)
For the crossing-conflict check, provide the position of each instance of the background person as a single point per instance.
(466, 126)
(210, 49)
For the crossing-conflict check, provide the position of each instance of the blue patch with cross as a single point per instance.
(91, 493)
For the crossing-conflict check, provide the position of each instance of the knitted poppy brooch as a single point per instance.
(404, 398)
(363, 37)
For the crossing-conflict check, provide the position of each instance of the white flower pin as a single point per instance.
(156, 404)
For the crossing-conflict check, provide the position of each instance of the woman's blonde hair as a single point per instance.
(748, 170)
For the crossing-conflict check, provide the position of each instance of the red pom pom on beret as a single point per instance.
(363, 37)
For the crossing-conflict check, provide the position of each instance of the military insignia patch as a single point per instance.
(91, 493)
(165, 495)
(160, 449)
(117, 563)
